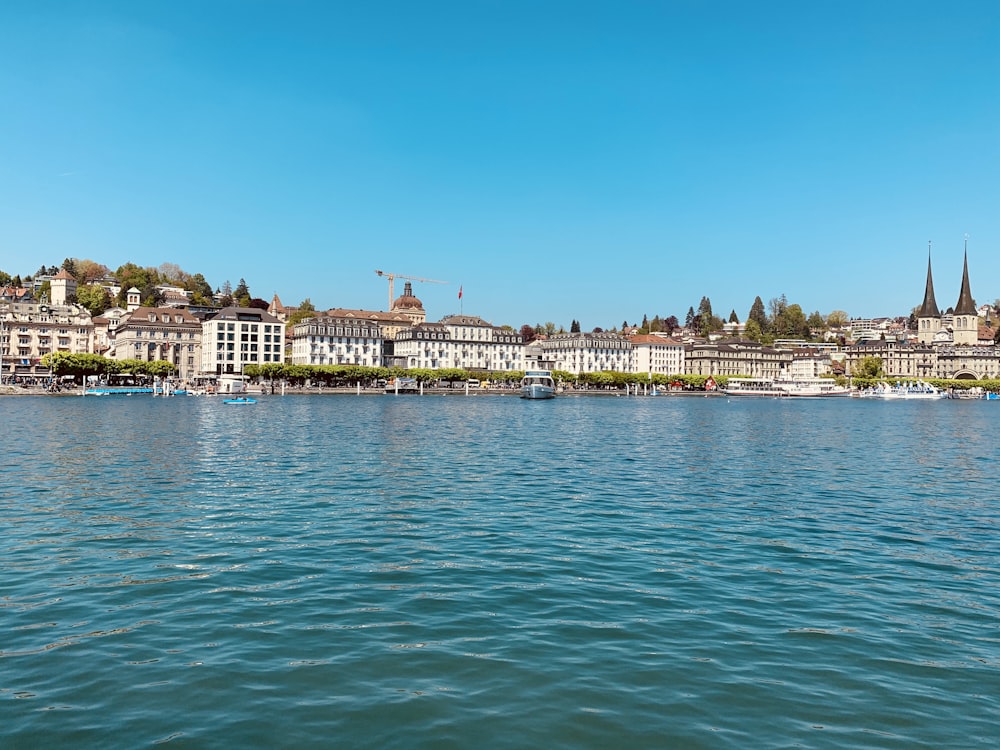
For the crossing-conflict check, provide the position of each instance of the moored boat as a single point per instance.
(785, 387)
(538, 384)
(910, 389)
(240, 400)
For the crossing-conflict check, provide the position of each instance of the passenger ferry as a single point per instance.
(911, 389)
(538, 384)
(785, 387)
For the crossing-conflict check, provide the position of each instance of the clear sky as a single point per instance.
(558, 160)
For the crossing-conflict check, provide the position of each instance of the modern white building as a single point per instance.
(238, 336)
(330, 340)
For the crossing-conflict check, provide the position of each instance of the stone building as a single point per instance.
(460, 341)
(333, 340)
(150, 334)
(30, 330)
(580, 353)
(950, 345)
(739, 357)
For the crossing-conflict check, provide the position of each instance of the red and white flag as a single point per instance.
(460, 292)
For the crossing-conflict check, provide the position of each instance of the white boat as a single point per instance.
(910, 389)
(785, 387)
(812, 387)
(538, 384)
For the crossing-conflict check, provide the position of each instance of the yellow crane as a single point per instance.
(393, 276)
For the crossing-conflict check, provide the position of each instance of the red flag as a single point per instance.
(460, 292)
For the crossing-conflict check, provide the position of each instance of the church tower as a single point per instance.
(132, 299)
(965, 324)
(928, 317)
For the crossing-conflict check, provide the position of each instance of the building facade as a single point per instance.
(164, 334)
(739, 358)
(30, 330)
(426, 346)
(950, 345)
(580, 353)
(464, 342)
(658, 354)
(238, 336)
(329, 340)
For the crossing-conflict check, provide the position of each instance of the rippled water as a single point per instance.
(486, 572)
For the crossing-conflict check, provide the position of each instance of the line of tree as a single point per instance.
(85, 365)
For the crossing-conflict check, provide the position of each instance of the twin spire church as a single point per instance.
(932, 326)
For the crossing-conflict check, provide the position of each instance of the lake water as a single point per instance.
(487, 572)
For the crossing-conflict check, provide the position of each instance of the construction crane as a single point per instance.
(393, 276)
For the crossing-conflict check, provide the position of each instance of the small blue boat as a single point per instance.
(240, 400)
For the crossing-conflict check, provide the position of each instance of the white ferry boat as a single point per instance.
(785, 387)
(910, 389)
(538, 384)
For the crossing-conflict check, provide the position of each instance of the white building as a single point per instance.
(238, 336)
(426, 346)
(461, 341)
(658, 354)
(580, 353)
(330, 340)
(478, 345)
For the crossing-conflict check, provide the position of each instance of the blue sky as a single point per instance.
(597, 161)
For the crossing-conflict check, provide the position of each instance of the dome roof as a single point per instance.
(407, 301)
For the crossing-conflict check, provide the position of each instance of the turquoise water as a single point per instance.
(487, 572)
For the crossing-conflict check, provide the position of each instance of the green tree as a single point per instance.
(869, 367)
(758, 314)
(574, 327)
(733, 318)
(790, 322)
(305, 310)
(705, 308)
(93, 297)
(201, 290)
(144, 279)
(752, 331)
(241, 295)
(816, 321)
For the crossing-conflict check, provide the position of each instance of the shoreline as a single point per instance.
(7, 390)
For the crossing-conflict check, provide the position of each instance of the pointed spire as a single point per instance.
(929, 308)
(966, 305)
